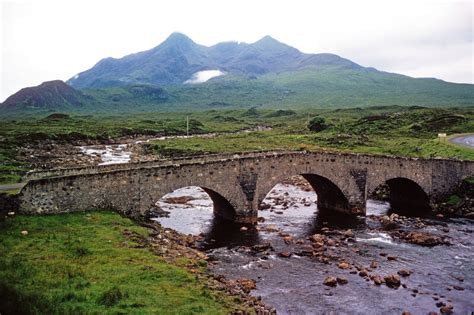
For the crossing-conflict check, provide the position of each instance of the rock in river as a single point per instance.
(344, 265)
(341, 280)
(330, 281)
(285, 254)
(404, 272)
(392, 281)
(378, 280)
(423, 239)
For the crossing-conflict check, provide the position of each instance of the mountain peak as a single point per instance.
(269, 44)
(54, 83)
(177, 37)
(267, 39)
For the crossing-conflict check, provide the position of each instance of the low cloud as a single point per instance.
(203, 76)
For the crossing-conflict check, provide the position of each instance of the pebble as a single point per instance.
(343, 265)
(404, 272)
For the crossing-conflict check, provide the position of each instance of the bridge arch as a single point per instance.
(223, 208)
(406, 194)
(329, 195)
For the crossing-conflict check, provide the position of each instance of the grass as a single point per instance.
(453, 200)
(83, 264)
(393, 130)
(261, 141)
(9, 178)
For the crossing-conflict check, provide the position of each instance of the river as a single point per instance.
(442, 274)
(127, 152)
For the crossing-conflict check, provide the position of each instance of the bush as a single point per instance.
(111, 296)
(317, 124)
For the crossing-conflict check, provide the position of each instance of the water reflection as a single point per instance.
(224, 233)
(334, 220)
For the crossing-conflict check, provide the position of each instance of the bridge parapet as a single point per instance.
(237, 183)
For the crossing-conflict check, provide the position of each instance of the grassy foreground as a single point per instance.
(84, 264)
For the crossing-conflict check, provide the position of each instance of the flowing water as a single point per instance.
(294, 285)
(109, 154)
(122, 153)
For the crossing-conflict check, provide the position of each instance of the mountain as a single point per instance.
(181, 75)
(48, 95)
(178, 58)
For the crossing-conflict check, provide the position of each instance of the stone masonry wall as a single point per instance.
(243, 180)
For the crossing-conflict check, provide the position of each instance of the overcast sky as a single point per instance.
(47, 40)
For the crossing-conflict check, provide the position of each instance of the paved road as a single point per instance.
(11, 186)
(465, 140)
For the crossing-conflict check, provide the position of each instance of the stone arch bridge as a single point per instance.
(238, 183)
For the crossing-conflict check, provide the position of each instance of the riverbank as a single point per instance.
(306, 262)
(100, 262)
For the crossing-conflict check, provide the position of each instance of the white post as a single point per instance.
(187, 126)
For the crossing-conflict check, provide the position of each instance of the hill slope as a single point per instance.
(48, 95)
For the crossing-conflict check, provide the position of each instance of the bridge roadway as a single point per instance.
(237, 183)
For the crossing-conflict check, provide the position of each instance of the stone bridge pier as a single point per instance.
(237, 184)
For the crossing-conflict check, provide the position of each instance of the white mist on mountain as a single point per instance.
(203, 76)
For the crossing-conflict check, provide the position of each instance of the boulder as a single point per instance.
(330, 281)
(447, 309)
(392, 281)
(469, 215)
(348, 233)
(285, 254)
(317, 238)
(378, 280)
(246, 284)
(262, 247)
(178, 200)
(423, 239)
(363, 273)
